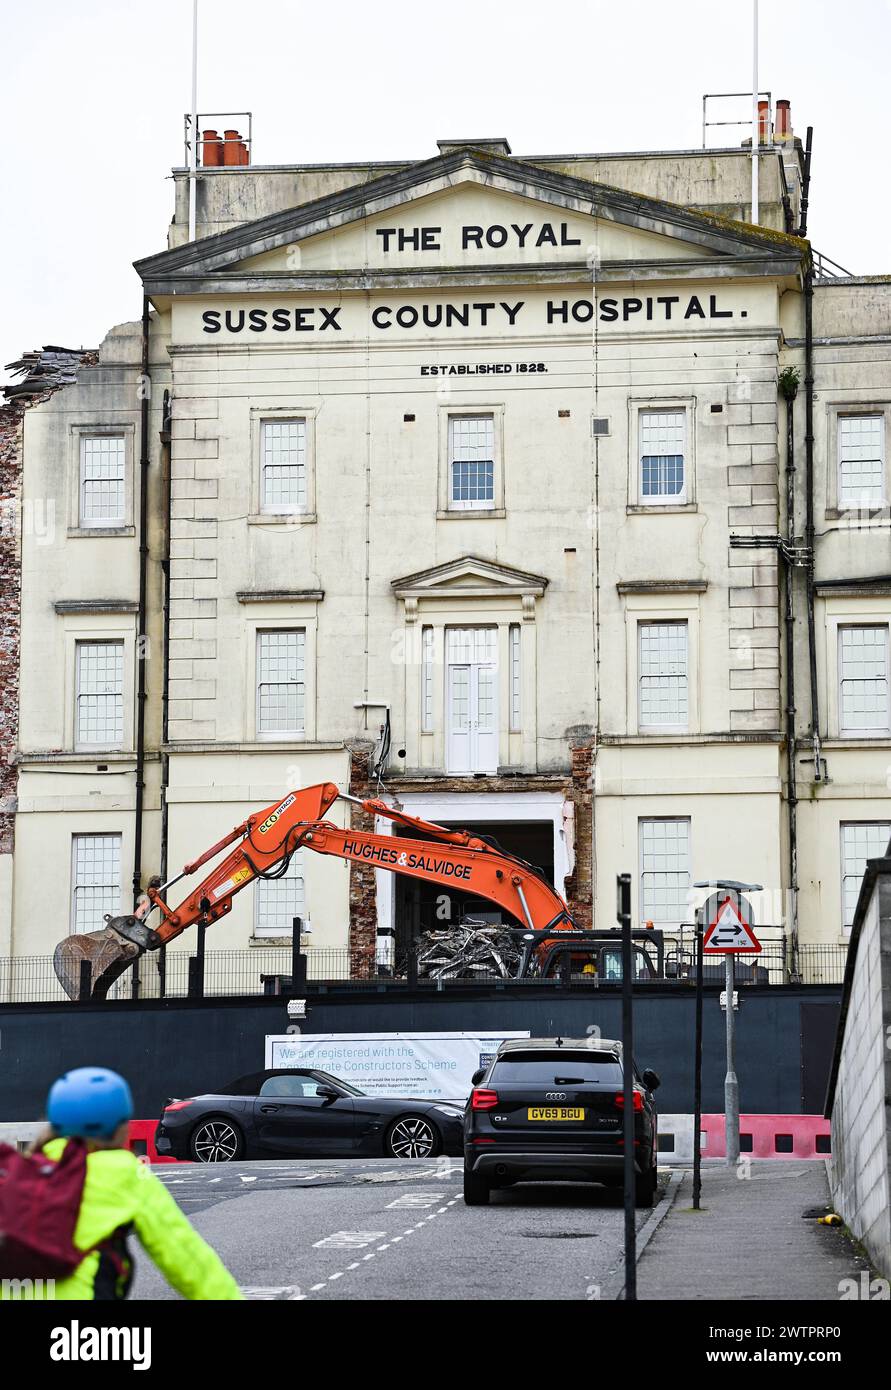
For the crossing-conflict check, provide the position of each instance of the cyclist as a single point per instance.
(121, 1196)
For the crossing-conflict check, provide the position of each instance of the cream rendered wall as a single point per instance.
(61, 792)
(851, 372)
(360, 395)
(7, 873)
(730, 793)
(43, 886)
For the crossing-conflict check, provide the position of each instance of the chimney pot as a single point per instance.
(211, 149)
(231, 142)
(783, 120)
(763, 122)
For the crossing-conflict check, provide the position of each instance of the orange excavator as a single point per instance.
(268, 839)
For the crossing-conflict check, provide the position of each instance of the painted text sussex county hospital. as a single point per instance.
(631, 310)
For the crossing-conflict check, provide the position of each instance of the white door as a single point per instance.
(472, 699)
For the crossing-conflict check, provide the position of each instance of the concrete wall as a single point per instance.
(716, 181)
(860, 1170)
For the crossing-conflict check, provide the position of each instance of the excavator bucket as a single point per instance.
(107, 953)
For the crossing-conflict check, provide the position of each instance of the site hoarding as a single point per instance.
(428, 1066)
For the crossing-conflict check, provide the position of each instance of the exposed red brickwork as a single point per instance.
(44, 372)
(10, 606)
(577, 787)
(363, 902)
(580, 791)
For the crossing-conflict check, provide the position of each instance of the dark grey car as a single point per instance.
(305, 1114)
(551, 1109)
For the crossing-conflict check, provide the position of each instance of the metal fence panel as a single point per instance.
(267, 970)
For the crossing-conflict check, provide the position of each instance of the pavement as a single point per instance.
(755, 1238)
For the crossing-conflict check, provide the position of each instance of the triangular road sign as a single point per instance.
(728, 932)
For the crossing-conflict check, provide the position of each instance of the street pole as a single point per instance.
(697, 1076)
(623, 884)
(731, 1084)
(193, 131)
(756, 151)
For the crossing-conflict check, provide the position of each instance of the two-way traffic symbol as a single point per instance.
(728, 932)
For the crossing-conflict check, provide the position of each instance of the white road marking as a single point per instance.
(399, 1175)
(416, 1199)
(349, 1240)
(357, 1238)
(290, 1292)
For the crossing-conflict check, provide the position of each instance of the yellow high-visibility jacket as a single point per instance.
(120, 1193)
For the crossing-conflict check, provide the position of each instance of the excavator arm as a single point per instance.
(266, 842)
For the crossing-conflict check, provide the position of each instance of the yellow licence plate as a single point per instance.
(555, 1112)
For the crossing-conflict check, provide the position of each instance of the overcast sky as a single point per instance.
(94, 93)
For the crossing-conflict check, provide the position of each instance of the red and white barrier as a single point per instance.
(769, 1136)
(142, 1141)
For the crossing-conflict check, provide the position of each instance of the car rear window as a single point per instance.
(243, 1085)
(544, 1068)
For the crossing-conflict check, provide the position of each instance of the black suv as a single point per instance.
(550, 1110)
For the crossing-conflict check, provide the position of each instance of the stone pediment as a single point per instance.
(470, 578)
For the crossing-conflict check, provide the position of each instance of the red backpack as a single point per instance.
(39, 1206)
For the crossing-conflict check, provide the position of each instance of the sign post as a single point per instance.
(623, 916)
(729, 933)
(731, 1082)
(697, 1075)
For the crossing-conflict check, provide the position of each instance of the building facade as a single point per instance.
(467, 483)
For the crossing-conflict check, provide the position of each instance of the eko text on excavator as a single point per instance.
(266, 842)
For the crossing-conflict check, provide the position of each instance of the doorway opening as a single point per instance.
(421, 906)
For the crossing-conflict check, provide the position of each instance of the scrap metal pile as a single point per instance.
(470, 950)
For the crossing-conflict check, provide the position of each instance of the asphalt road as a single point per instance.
(375, 1229)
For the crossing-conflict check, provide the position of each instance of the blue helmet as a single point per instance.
(89, 1103)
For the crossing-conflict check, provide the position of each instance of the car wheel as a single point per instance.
(216, 1141)
(412, 1136)
(476, 1190)
(645, 1189)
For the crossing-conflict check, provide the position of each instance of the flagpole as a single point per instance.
(193, 142)
(755, 140)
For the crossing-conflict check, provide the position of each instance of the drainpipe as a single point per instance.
(789, 388)
(165, 437)
(141, 649)
(809, 515)
(809, 536)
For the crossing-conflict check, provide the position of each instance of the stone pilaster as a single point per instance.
(753, 580)
(194, 541)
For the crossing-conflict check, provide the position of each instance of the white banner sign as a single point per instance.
(429, 1066)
